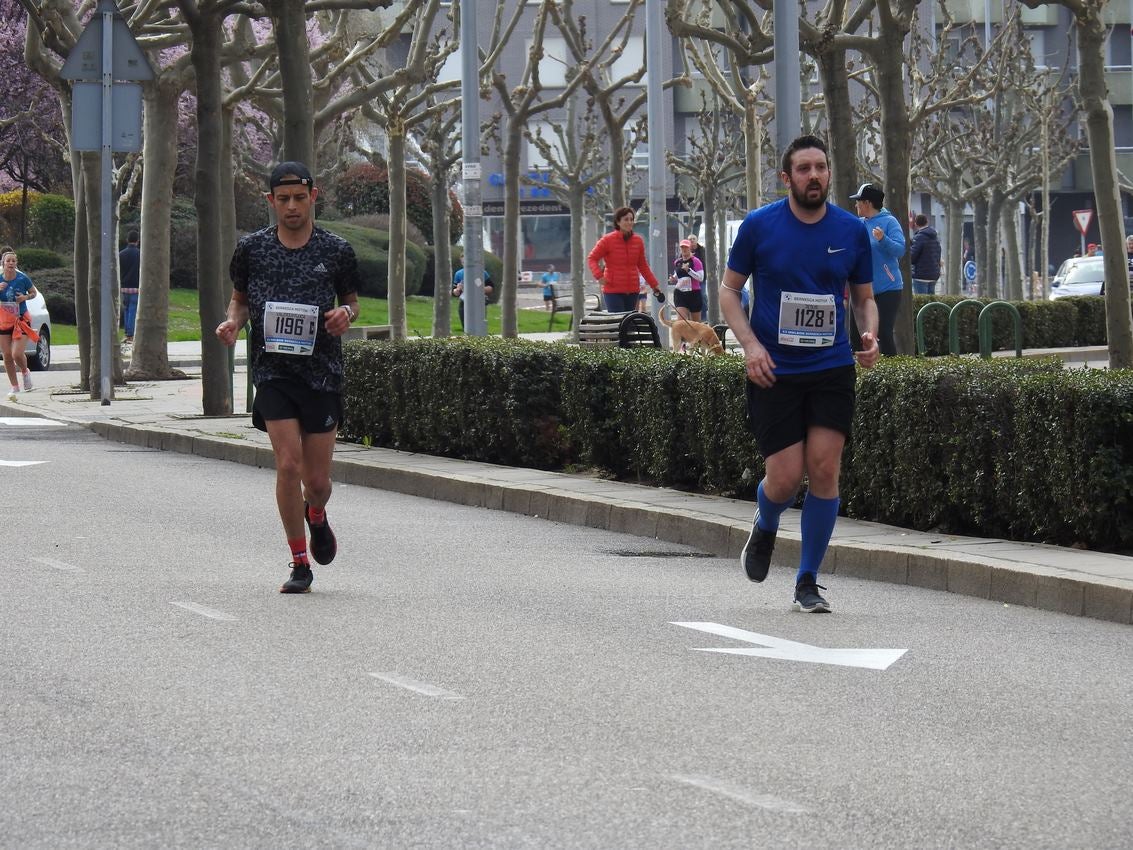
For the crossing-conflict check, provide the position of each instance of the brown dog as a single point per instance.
(698, 336)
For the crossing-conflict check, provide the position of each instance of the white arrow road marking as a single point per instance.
(29, 420)
(59, 565)
(21, 462)
(789, 650)
(212, 613)
(417, 687)
(742, 795)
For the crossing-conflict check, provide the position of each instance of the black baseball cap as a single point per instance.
(290, 173)
(869, 192)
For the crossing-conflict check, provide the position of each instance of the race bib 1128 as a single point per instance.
(807, 320)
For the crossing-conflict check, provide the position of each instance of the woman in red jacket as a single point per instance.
(618, 263)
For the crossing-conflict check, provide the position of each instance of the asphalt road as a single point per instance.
(463, 678)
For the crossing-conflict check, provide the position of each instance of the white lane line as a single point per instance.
(21, 462)
(212, 613)
(28, 420)
(415, 686)
(59, 565)
(742, 795)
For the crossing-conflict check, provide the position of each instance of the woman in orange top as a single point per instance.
(618, 263)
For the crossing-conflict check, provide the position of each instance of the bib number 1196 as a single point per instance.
(290, 328)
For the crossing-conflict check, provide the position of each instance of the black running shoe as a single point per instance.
(807, 597)
(756, 554)
(323, 545)
(300, 581)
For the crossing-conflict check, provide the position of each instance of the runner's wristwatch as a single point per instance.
(350, 314)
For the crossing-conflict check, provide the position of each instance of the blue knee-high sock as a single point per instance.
(769, 512)
(819, 516)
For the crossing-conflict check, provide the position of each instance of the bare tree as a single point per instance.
(715, 165)
(520, 105)
(1092, 32)
(575, 169)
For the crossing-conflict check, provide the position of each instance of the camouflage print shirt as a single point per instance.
(323, 269)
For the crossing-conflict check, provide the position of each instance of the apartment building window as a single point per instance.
(553, 65)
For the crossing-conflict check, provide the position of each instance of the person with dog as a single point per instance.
(617, 260)
(800, 252)
(286, 279)
(687, 276)
(887, 242)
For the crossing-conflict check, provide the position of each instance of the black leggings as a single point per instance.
(887, 305)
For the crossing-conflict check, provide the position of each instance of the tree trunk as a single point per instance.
(395, 130)
(289, 20)
(954, 259)
(92, 168)
(840, 118)
(711, 248)
(753, 152)
(897, 146)
(511, 230)
(980, 248)
(579, 273)
(215, 374)
(150, 358)
(82, 266)
(442, 255)
(1013, 272)
(1092, 34)
(994, 211)
(619, 195)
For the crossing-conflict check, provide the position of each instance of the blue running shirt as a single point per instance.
(800, 272)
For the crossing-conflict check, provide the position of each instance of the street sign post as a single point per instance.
(104, 64)
(1082, 221)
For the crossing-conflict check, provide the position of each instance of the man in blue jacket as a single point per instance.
(887, 242)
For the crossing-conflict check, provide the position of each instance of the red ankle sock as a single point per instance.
(298, 551)
(317, 515)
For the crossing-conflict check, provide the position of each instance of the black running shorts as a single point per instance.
(780, 415)
(689, 299)
(317, 412)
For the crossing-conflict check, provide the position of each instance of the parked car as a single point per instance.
(39, 353)
(1079, 276)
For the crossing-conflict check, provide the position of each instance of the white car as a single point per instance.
(1079, 276)
(39, 353)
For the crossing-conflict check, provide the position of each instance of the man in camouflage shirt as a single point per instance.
(286, 280)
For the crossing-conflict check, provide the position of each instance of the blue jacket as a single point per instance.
(887, 251)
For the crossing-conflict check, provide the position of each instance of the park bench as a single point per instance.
(368, 332)
(561, 301)
(623, 330)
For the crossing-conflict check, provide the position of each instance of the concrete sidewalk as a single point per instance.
(167, 415)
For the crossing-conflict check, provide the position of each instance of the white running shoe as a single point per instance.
(12, 393)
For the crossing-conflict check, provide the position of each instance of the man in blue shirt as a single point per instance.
(887, 244)
(801, 254)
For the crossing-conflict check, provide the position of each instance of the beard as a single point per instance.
(807, 201)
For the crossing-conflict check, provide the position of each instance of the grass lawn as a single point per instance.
(185, 323)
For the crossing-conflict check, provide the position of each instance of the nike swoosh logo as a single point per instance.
(830, 250)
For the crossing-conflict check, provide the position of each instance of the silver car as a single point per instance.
(39, 353)
(1079, 276)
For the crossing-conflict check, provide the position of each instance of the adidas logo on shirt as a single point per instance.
(321, 268)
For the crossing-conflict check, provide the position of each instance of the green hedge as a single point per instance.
(34, 259)
(371, 247)
(1046, 324)
(1013, 448)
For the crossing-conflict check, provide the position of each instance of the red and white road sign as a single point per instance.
(1082, 220)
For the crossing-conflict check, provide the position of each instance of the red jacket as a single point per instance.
(624, 260)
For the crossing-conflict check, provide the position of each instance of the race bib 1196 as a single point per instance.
(290, 328)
